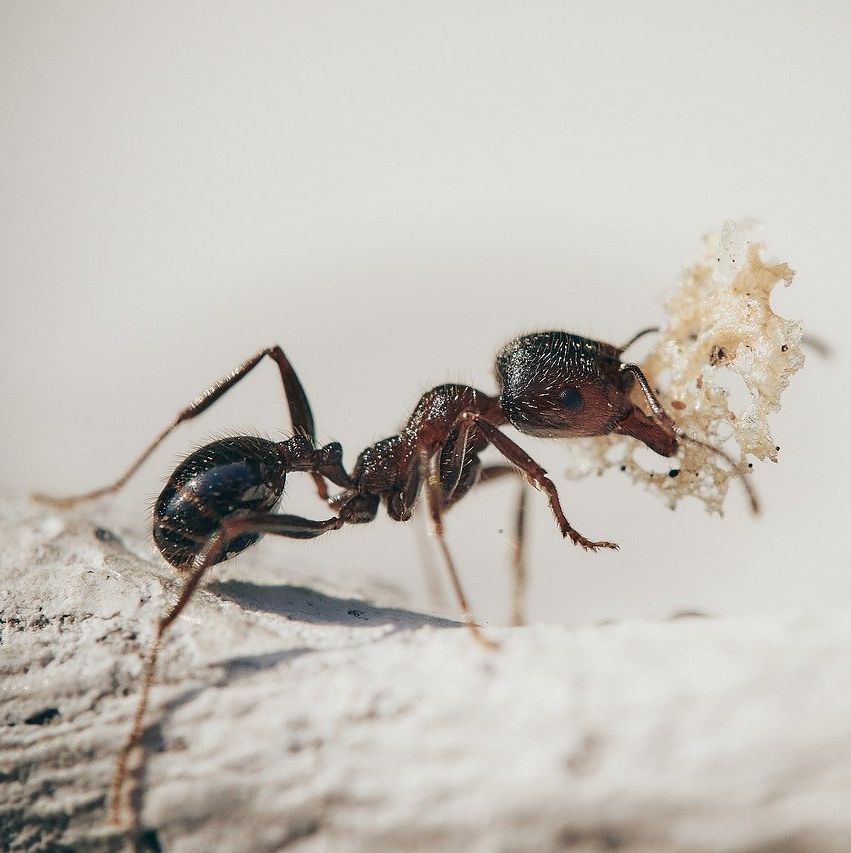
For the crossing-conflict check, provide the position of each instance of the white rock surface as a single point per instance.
(290, 718)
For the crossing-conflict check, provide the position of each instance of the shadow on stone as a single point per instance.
(307, 605)
(240, 667)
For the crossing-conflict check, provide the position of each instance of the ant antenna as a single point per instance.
(655, 406)
(648, 331)
(818, 345)
(736, 466)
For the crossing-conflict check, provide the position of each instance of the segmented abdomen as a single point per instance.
(227, 478)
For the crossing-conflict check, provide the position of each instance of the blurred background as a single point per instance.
(391, 191)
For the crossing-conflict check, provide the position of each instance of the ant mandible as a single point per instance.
(221, 498)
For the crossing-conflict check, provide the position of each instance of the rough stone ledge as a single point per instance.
(291, 718)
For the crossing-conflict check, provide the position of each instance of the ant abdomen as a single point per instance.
(227, 478)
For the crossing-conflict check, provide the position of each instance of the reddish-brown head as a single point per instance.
(559, 385)
(555, 384)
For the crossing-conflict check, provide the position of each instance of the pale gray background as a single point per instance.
(391, 191)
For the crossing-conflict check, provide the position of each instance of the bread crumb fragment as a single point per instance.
(719, 330)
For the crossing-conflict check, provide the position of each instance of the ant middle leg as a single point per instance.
(299, 409)
(292, 526)
(460, 469)
(429, 473)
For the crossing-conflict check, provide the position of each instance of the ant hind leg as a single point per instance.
(299, 408)
(292, 526)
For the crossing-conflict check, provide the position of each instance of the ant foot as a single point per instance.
(588, 545)
(481, 639)
(594, 546)
(486, 642)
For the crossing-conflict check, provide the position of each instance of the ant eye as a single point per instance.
(572, 399)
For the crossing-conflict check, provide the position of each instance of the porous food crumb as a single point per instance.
(719, 330)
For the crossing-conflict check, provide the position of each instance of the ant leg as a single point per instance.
(299, 408)
(436, 592)
(518, 563)
(434, 499)
(535, 474)
(518, 551)
(293, 526)
(459, 469)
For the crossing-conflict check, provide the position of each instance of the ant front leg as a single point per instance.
(292, 526)
(535, 474)
(299, 409)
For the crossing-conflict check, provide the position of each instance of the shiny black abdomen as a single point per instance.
(227, 478)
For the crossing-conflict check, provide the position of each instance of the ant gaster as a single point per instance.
(221, 498)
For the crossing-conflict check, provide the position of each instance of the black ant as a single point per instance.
(222, 498)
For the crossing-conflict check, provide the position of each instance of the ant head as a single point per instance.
(554, 384)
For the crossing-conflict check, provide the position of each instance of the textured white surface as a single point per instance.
(285, 716)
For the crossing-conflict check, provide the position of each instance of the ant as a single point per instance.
(221, 499)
